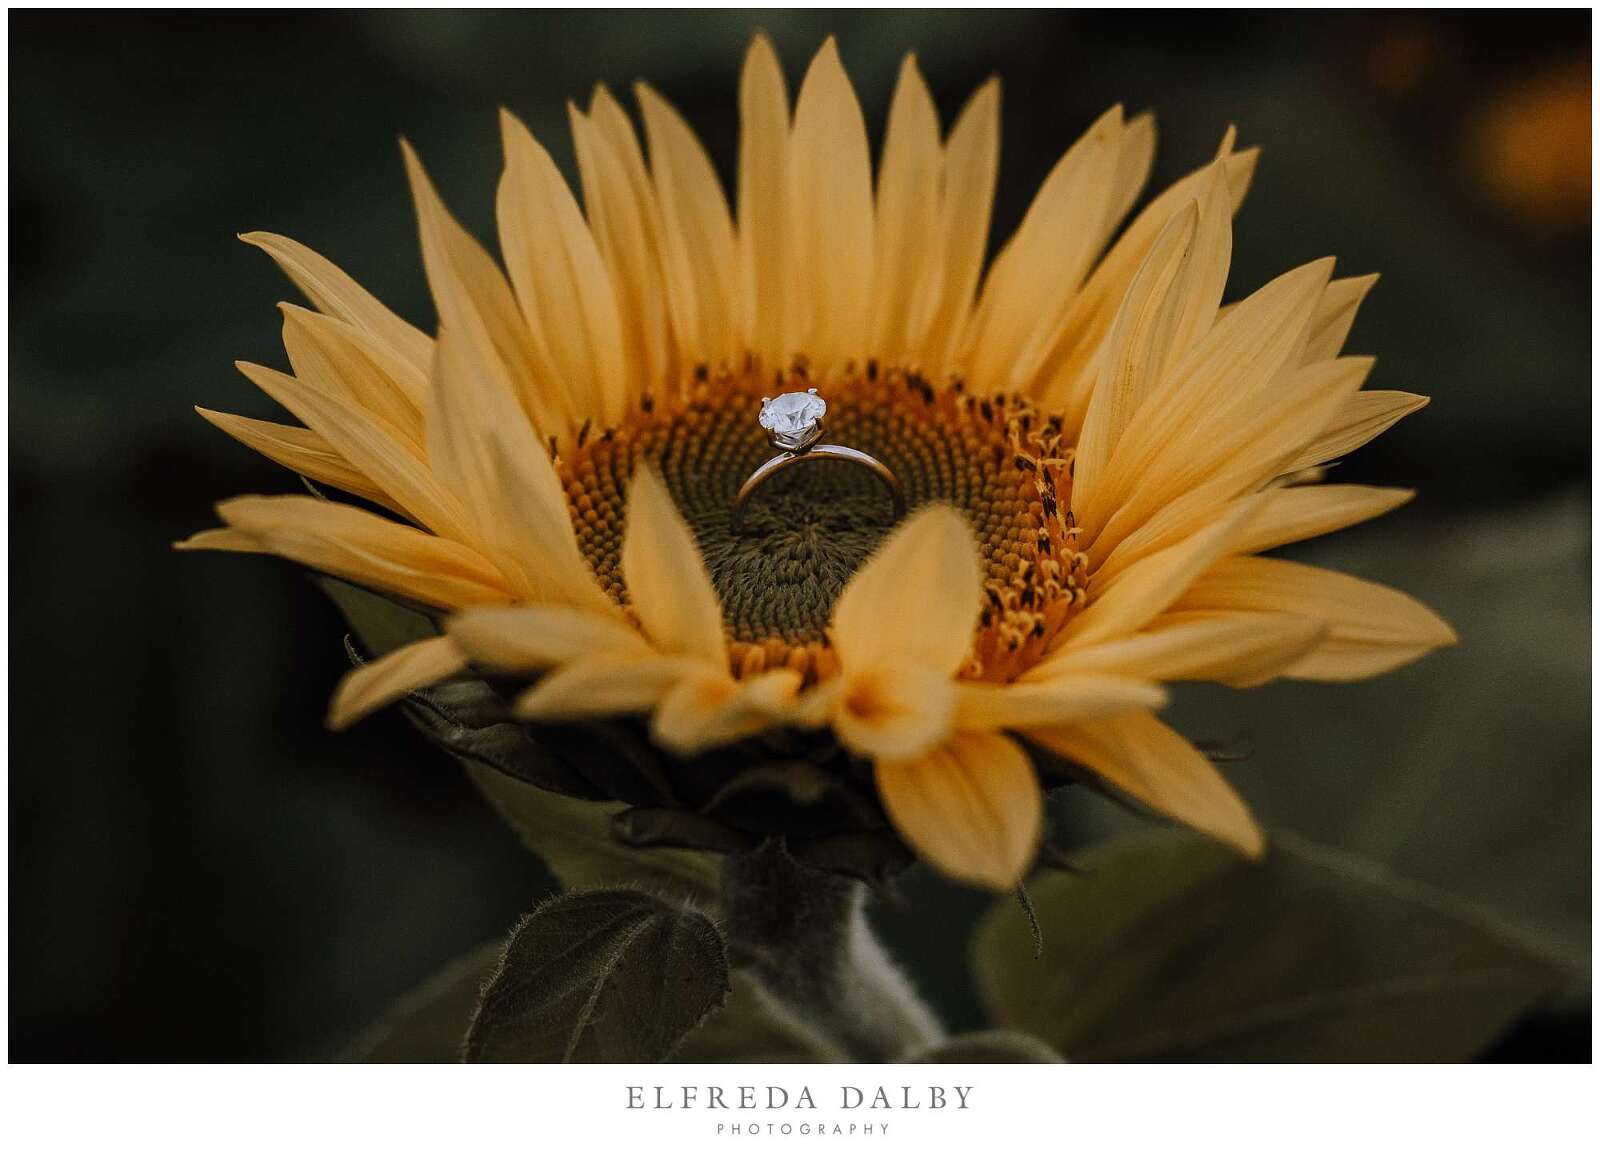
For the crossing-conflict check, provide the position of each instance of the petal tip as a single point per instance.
(1251, 841)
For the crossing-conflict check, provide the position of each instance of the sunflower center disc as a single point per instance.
(809, 529)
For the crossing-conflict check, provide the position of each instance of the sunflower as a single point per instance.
(1095, 450)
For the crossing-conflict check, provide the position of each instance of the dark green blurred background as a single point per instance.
(199, 871)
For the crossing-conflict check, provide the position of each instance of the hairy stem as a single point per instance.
(804, 934)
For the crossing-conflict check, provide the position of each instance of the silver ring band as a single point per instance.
(816, 452)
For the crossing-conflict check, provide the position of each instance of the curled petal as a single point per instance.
(383, 681)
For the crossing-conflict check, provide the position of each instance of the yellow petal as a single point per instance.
(971, 164)
(1150, 585)
(383, 681)
(1035, 277)
(1193, 296)
(1058, 700)
(1134, 160)
(1201, 294)
(971, 808)
(370, 446)
(347, 362)
(698, 244)
(907, 254)
(474, 301)
(604, 686)
(1371, 629)
(367, 549)
(714, 709)
(1136, 350)
(1335, 315)
(484, 449)
(560, 280)
(916, 599)
(1065, 377)
(1142, 757)
(1241, 650)
(1171, 303)
(833, 210)
(626, 223)
(890, 710)
(1221, 458)
(1292, 514)
(338, 295)
(529, 637)
(302, 451)
(329, 396)
(1231, 371)
(766, 227)
(221, 540)
(1365, 416)
(666, 577)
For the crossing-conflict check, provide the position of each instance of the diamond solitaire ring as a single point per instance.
(793, 421)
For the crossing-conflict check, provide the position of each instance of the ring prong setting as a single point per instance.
(793, 420)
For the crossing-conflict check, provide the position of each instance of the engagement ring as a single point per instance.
(793, 421)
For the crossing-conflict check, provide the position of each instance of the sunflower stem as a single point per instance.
(804, 934)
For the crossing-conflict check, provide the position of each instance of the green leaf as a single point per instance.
(995, 1047)
(428, 1024)
(755, 1027)
(606, 976)
(1172, 947)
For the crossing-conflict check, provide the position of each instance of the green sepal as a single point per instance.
(577, 841)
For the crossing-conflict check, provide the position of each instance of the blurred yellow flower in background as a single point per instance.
(1095, 448)
(1530, 146)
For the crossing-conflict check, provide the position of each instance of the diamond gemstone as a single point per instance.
(792, 417)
